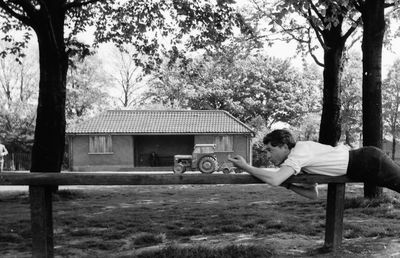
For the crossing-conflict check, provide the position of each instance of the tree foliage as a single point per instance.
(167, 28)
(248, 85)
(57, 23)
(391, 103)
(127, 76)
(18, 78)
(309, 23)
(326, 21)
(18, 95)
(17, 124)
(352, 98)
(87, 86)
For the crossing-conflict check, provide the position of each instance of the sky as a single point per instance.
(288, 50)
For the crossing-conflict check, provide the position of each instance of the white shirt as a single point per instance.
(317, 158)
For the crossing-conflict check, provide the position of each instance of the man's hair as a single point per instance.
(280, 137)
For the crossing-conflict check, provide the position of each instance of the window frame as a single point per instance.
(224, 143)
(107, 148)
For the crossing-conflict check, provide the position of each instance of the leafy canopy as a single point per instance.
(154, 27)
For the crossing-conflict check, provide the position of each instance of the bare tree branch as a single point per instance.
(77, 4)
(315, 9)
(318, 31)
(357, 39)
(27, 7)
(311, 51)
(23, 18)
(351, 30)
(388, 5)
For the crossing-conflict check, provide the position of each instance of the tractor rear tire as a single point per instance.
(207, 165)
(179, 169)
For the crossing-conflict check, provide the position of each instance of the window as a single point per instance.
(100, 144)
(204, 149)
(224, 143)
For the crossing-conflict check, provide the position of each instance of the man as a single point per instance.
(367, 164)
(3, 152)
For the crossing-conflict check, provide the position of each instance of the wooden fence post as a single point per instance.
(334, 216)
(41, 221)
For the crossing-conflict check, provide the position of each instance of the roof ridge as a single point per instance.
(237, 120)
(162, 121)
(164, 110)
(90, 119)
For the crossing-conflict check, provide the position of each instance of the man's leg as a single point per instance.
(388, 174)
(1, 165)
(370, 164)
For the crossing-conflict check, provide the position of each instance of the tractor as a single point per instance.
(204, 159)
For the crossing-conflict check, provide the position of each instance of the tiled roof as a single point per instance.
(162, 122)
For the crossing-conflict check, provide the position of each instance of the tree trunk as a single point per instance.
(374, 29)
(48, 148)
(330, 128)
(394, 126)
(394, 147)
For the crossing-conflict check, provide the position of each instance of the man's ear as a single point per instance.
(285, 146)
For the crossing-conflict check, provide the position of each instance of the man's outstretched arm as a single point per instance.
(276, 177)
(270, 176)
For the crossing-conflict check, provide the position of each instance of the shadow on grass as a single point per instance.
(361, 202)
(170, 220)
(147, 239)
(230, 251)
(69, 195)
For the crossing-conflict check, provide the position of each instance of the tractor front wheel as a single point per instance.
(179, 169)
(207, 165)
(226, 171)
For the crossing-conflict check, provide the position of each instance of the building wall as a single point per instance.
(130, 152)
(120, 159)
(241, 146)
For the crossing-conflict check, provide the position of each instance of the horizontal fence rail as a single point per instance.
(115, 178)
(40, 192)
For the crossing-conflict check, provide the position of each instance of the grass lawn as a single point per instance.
(200, 221)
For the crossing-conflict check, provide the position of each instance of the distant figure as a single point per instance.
(3, 152)
(154, 160)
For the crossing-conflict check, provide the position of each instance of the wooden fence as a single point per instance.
(17, 161)
(40, 191)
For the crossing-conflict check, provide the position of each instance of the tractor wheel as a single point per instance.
(207, 165)
(179, 169)
(226, 171)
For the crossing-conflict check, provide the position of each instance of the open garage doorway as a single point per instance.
(159, 150)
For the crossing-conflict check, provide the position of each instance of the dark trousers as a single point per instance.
(372, 165)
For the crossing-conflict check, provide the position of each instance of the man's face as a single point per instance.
(277, 154)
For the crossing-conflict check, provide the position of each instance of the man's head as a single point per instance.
(278, 144)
